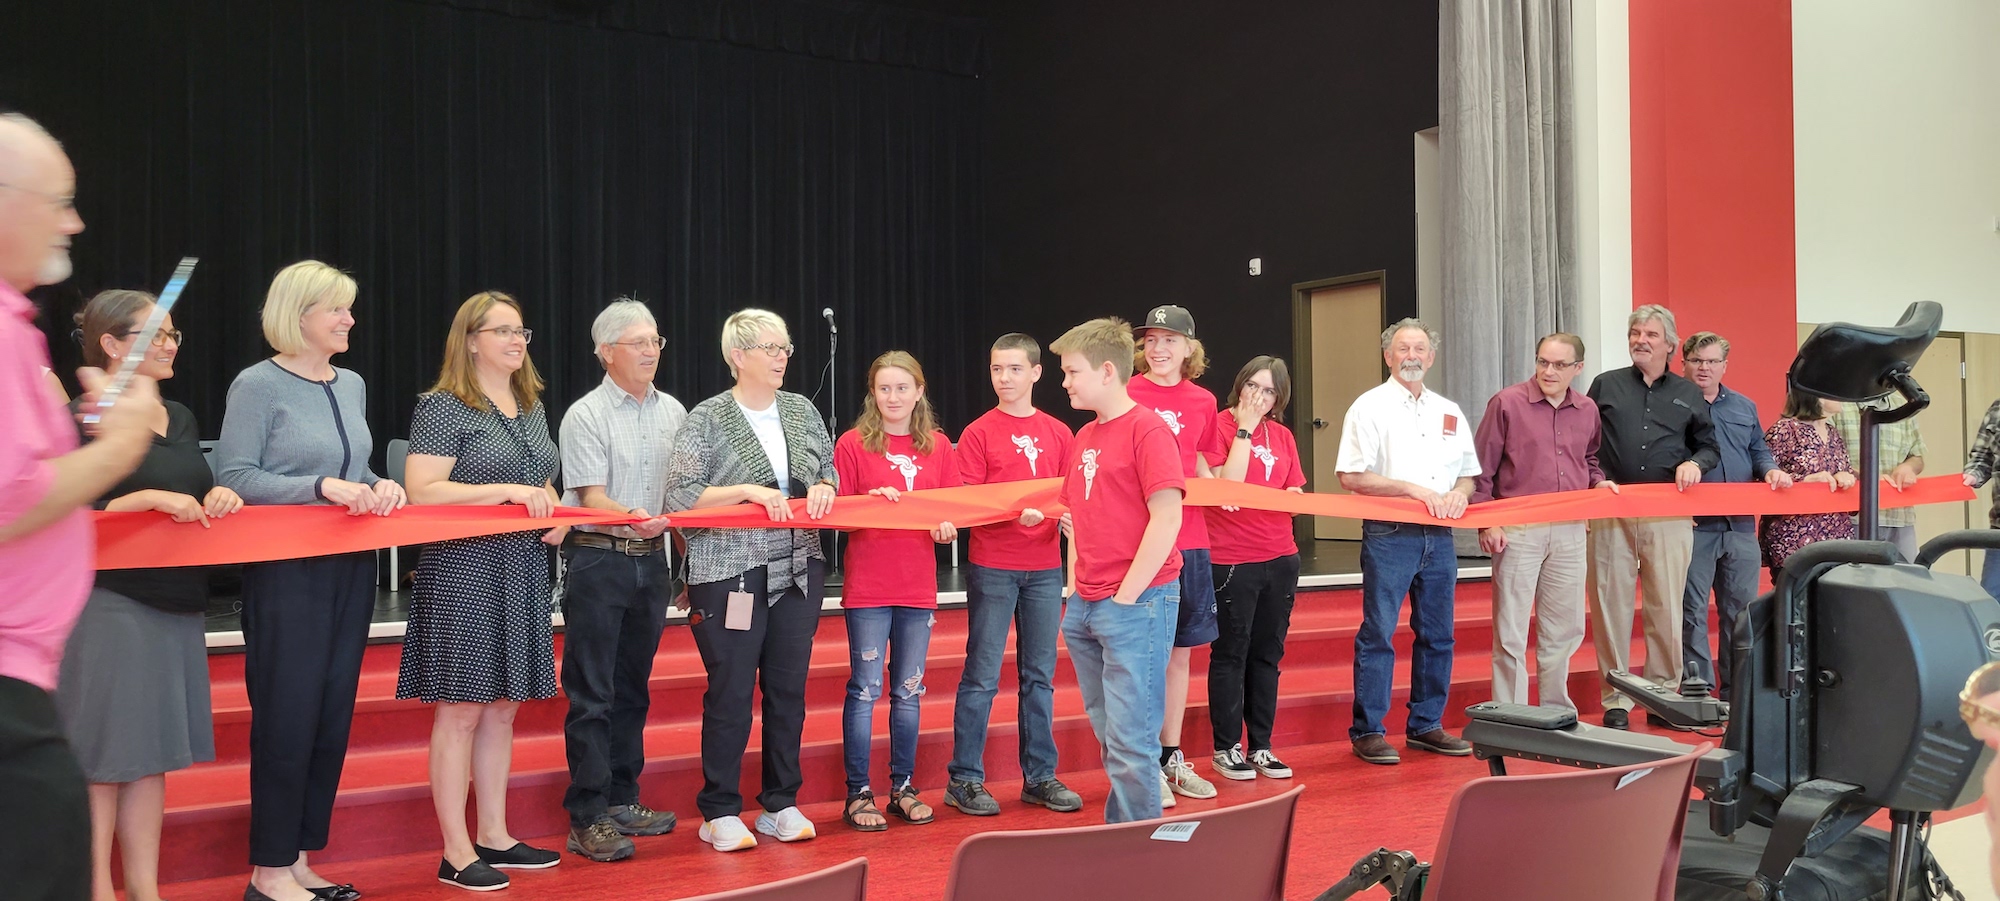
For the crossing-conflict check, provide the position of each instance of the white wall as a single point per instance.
(1602, 48)
(1896, 122)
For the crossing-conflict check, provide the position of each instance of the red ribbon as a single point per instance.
(255, 534)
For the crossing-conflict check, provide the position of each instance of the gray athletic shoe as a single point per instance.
(971, 798)
(1053, 795)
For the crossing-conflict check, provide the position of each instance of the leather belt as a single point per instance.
(630, 547)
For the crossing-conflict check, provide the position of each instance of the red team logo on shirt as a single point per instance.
(1025, 446)
(1089, 467)
(906, 465)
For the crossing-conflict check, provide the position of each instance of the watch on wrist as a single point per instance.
(1242, 433)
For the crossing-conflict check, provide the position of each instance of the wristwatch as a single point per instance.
(1242, 433)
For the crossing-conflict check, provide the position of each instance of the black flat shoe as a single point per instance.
(250, 893)
(522, 856)
(343, 892)
(476, 877)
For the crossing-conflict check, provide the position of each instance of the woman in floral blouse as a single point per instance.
(1810, 450)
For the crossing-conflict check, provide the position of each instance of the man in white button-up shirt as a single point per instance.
(1401, 440)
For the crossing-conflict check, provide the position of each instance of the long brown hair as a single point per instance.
(460, 379)
(923, 423)
(1281, 386)
(1194, 366)
(109, 312)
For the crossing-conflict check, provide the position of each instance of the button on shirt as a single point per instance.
(1530, 446)
(1422, 439)
(620, 443)
(1648, 430)
(1739, 440)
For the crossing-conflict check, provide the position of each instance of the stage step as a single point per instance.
(384, 804)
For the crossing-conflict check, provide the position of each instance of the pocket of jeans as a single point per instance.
(1377, 529)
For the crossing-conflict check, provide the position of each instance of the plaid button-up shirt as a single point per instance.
(620, 443)
(1985, 455)
(1898, 441)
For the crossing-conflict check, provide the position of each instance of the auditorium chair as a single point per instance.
(1607, 835)
(1234, 853)
(846, 882)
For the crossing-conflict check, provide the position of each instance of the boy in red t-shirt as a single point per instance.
(1123, 488)
(1015, 576)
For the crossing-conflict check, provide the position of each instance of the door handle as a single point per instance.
(1319, 423)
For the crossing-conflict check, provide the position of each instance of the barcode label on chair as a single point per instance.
(1632, 777)
(1175, 832)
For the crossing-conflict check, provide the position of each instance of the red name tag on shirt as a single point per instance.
(1450, 425)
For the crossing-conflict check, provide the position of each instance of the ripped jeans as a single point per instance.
(902, 636)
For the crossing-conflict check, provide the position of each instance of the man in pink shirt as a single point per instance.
(47, 546)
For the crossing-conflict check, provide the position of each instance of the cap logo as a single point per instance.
(1160, 315)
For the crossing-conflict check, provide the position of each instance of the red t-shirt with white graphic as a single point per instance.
(1255, 536)
(1002, 447)
(1189, 412)
(1112, 469)
(891, 567)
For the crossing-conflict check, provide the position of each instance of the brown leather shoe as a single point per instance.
(600, 841)
(1438, 741)
(1376, 749)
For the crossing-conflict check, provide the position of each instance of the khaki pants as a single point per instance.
(1654, 552)
(1540, 573)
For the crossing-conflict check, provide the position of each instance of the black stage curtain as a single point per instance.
(702, 156)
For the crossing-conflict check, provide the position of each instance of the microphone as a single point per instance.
(827, 314)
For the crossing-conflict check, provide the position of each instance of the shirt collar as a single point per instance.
(16, 303)
(618, 395)
(1424, 391)
(1535, 395)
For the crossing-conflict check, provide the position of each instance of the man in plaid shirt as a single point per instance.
(1979, 465)
(1900, 458)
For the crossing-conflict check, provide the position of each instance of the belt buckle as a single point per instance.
(633, 547)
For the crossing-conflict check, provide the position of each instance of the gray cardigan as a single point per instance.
(282, 433)
(715, 446)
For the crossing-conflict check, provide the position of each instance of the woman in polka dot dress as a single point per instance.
(478, 642)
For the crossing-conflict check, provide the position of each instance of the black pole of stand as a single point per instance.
(1869, 475)
(833, 428)
(1902, 852)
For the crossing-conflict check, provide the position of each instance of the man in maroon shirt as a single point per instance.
(1537, 437)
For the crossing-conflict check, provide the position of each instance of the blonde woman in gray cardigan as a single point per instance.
(296, 432)
(753, 444)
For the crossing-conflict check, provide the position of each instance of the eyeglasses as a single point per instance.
(656, 342)
(1982, 684)
(161, 337)
(772, 350)
(1700, 363)
(1555, 365)
(1260, 389)
(507, 333)
(62, 201)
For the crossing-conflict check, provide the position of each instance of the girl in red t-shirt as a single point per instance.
(890, 592)
(1256, 571)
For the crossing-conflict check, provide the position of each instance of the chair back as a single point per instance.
(398, 455)
(846, 882)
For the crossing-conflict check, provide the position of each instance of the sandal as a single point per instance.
(866, 808)
(904, 800)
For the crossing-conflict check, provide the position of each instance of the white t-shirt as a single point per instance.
(1423, 439)
(771, 434)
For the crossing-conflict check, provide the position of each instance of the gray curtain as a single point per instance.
(1507, 163)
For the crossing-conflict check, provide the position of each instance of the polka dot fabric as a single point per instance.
(479, 617)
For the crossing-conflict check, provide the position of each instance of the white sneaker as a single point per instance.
(1269, 764)
(788, 825)
(1183, 779)
(727, 834)
(1166, 792)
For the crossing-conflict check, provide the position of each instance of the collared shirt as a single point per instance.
(1423, 439)
(1651, 429)
(46, 574)
(1530, 446)
(1984, 457)
(1739, 440)
(1895, 442)
(620, 443)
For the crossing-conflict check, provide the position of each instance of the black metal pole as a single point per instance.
(1869, 475)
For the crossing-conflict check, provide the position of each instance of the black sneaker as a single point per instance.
(600, 841)
(477, 877)
(638, 819)
(1269, 765)
(1053, 795)
(522, 856)
(1231, 764)
(971, 798)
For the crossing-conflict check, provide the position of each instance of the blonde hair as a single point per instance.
(923, 422)
(1193, 366)
(459, 377)
(297, 290)
(1099, 341)
(740, 330)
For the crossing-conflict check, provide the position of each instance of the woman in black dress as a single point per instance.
(134, 696)
(479, 641)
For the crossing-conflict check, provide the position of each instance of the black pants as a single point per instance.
(1254, 611)
(44, 804)
(774, 654)
(305, 624)
(614, 607)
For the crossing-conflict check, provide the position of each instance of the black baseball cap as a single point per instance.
(1170, 317)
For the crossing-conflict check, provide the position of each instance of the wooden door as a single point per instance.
(1346, 360)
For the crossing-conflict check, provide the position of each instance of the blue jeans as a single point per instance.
(1400, 559)
(906, 631)
(1729, 562)
(1120, 653)
(1031, 600)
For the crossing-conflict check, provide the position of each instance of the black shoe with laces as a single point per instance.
(476, 877)
(638, 819)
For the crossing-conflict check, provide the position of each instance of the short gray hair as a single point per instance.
(31, 125)
(740, 330)
(1664, 315)
(1389, 334)
(613, 320)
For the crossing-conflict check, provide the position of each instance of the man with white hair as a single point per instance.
(1401, 439)
(46, 542)
(615, 444)
(1655, 428)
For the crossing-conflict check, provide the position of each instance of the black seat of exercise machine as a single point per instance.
(1846, 362)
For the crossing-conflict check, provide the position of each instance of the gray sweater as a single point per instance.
(282, 433)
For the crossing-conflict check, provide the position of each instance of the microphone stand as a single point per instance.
(832, 421)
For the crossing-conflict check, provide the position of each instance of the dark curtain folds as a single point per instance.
(434, 149)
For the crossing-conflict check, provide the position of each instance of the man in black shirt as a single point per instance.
(1655, 429)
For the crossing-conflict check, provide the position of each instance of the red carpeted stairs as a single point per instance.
(384, 806)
